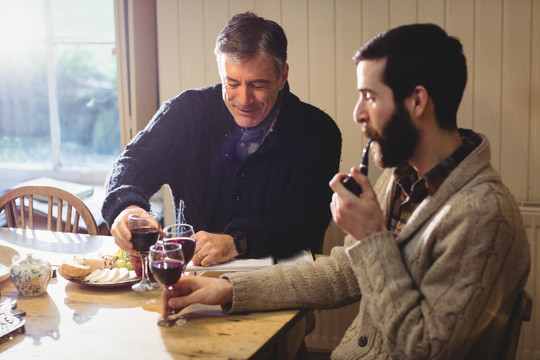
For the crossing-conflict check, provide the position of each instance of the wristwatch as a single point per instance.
(240, 241)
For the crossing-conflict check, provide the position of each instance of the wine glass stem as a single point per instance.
(144, 269)
(170, 311)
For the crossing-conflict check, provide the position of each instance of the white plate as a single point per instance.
(98, 284)
(105, 284)
(4, 273)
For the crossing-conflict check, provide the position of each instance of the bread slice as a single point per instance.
(74, 270)
(95, 263)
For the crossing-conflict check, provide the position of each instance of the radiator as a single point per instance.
(331, 324)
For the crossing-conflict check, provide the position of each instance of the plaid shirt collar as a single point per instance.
(435, 177)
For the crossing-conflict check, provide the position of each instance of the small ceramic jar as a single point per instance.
(29, 275)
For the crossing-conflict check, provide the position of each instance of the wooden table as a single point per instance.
(71, 321)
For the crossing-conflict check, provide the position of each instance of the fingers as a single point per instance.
(120, 230)
(336, 184)
(198, 290)
(198, 258)
(203, 260)
(213, 249)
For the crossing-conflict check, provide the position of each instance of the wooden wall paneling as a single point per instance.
(533, 192)
(348, 41)
(375, 18)
(168, 43)
(431, 11)
(460, 23)
(192, 45)
(269, 9)
(294, 20)
(486, 68)
(216, 15)
(322, 56)
(238, 6)
(516, 73)
(403, 12)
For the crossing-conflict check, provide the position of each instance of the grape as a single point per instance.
(123, 259)
(136, 261)
(120, 263)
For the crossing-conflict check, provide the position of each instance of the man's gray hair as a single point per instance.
(247, 36)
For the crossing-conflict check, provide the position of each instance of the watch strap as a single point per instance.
(240, 241)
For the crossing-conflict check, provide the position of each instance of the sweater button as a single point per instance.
(237, 198)
(362, 341)
(242, 174)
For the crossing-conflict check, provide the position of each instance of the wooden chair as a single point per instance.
(19, 207)
(521, 312)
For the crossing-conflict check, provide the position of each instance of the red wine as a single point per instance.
(188, 247)
(167, 272)
(144, 237)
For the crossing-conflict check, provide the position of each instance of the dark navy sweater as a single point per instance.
(278, 196)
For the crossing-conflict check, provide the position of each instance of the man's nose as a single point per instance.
(245, 95)
(359, 113)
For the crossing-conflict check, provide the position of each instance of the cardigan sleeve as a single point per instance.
(325, 283)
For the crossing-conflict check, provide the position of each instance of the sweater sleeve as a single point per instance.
(327, 282)
(474, 258)
(140, 170)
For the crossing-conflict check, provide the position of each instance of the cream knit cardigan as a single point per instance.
(442, 290)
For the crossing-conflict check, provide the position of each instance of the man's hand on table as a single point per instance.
(192, 289)
(213, 248)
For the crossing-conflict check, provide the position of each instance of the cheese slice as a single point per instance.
(111, 275)
(93, 275)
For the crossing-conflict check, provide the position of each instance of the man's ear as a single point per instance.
(284, 76)
(420, 98)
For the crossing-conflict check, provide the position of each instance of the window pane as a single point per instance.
(83, 19)
(87, 104)
(24, 106)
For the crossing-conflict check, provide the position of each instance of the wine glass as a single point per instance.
(167, 263)
(144, 227)
(181, 234)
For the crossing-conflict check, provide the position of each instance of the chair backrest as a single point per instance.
(19, 207)
(521, 312)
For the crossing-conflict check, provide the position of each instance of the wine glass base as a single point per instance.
(145, 286)
(171, 321)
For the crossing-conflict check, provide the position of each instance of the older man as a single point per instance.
(248, 163)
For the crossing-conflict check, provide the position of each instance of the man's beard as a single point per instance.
(397, 141)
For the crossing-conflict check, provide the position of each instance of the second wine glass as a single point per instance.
(181, 234)
(144, 227)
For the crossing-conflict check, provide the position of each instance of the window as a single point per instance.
(58, 86)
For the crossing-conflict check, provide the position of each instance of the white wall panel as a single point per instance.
(533, 165)
(460, 23)
(516, 87)
(485, 69)
(295, 24)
